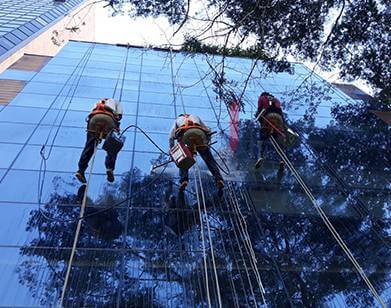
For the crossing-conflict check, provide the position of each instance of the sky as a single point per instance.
(142, 31)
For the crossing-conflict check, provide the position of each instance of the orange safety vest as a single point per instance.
(101, 108)
(189, 124)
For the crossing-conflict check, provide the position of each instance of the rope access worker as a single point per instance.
(195, 135)
(271, 118)
(103, 119)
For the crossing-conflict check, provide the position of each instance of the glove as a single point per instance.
(171, 144)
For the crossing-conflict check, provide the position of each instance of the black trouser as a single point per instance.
(263, 138)
(210, 163)
(89, 151)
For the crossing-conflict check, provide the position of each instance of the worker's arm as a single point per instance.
(119, 109)
(171, 138)
(204, 125)
(261, 106)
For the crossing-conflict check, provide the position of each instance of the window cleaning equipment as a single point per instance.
(113, 143)
(182, 156)
(291, 137)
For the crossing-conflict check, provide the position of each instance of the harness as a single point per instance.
(271, 118)
(101, 120)
(101, 108)
(188, 124)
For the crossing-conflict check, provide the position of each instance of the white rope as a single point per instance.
(173, 81)
(327, 222)
(203, 242)
(249, 248)
(210, 238)
(249, 244)
(77, 233)
(229, 201)
(245, 196)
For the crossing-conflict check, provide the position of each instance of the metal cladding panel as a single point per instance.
(29, 16)
(9, 89)
(30, 63)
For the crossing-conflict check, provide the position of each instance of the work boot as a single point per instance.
(110, 175)
(80, 176)
(280, 172)
(259, 162)
(182, 185)
(281, 167)
(220, 184)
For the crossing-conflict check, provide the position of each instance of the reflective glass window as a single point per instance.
(9, 152)
(17, 75)
(21, 114)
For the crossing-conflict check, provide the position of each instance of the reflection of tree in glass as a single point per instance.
(312, 262)
(299, 261)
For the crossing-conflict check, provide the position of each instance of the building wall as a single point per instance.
(42, 44)
(140, 242)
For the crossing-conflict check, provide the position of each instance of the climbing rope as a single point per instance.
(78, 228)
(342, 185)
(216, 204)
(243, 231)
(247, 241)
(327, 222)
(228, 201)
(203, 242)
(198, 173)
(251, 207)
(43, 166)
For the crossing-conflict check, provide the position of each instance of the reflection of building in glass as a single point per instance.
(263, 230)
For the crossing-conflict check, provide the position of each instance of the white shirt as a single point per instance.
(114, 105)
(180, 121)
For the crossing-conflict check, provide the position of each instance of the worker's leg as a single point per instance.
(261, 147)
(110, 161)
(85, 156)
(110, 165)
(211, 163)
(281, 141)
(87, 152)
(184, 178)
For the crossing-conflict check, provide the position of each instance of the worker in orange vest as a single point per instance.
(190, 130)
(102, 120)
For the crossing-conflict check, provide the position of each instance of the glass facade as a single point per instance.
(21, 19)
(264, 232)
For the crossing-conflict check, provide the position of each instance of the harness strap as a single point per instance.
(101, 108)
(189, 124)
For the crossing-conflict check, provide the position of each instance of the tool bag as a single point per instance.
(113, 143)
(291, 137)
(182, 156)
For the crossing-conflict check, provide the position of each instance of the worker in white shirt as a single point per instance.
(105, 117)
(190, 130)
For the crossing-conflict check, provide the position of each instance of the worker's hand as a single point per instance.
(207, 129)
(171, 144)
